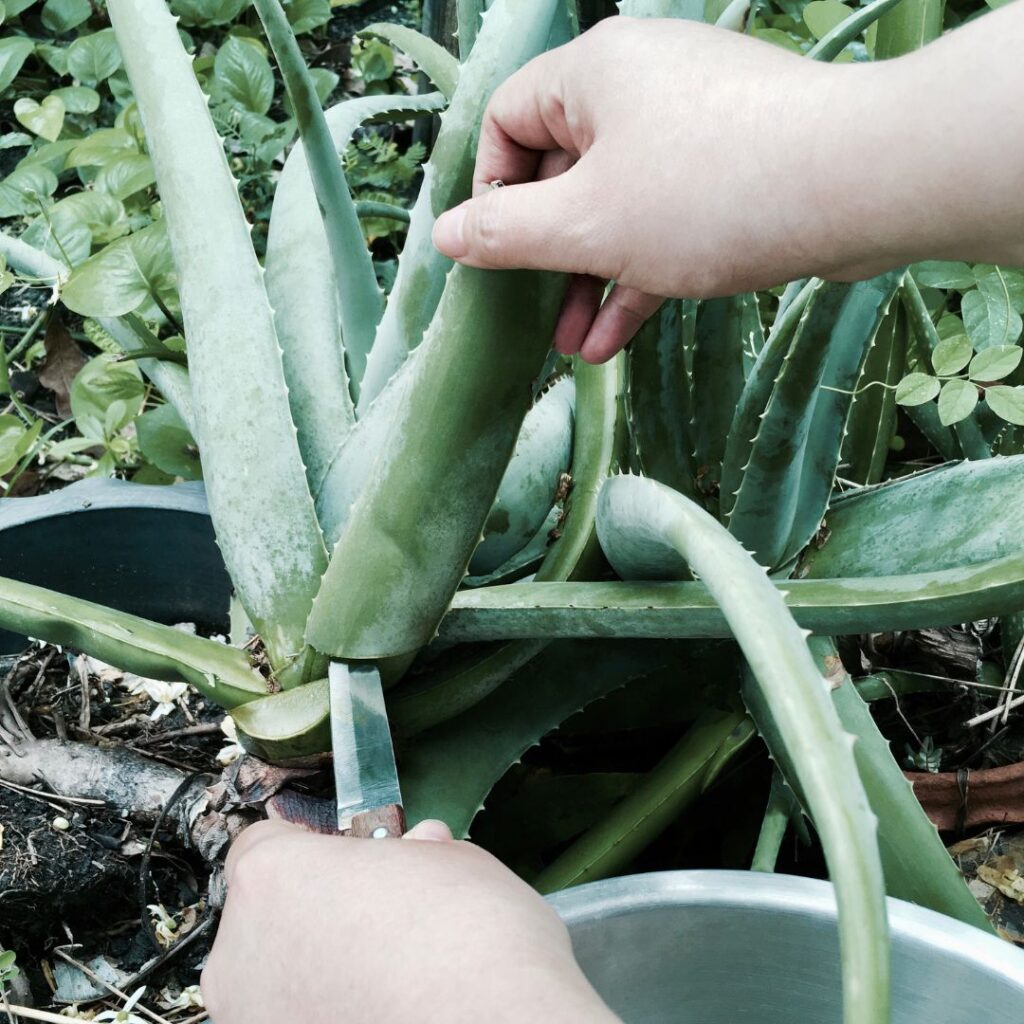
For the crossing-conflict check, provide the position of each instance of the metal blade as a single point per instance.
(364, 759)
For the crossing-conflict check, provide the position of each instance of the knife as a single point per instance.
(365, 776)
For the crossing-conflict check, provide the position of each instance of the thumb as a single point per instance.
(430, 829)
(539, 225)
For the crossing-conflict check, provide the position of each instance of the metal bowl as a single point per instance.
(732, 947)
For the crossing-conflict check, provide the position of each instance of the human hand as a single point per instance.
(677, 159)
(322, 929)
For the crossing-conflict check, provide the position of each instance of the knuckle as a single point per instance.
(487, 226)
(254, 855)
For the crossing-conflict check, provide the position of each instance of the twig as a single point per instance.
(987, 716)
(93, 976)
(202, 729)
(30, 1014)
(47, 798)
(1012, 676)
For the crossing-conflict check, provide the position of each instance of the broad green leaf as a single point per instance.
(55, 56)
(15, 441)
(14, 51)
(123, 276)
(243, 76)
(166, 442)
(916, 389)
(942, 274)
(103, 384)
(60, 234)
(949, 326)
(126, 175)
(908, 26)
(989, 315)
(1010, 280)
(431, 58)
(1007, 403)
(93, 59)
(45, 119)
(995, 363)
(204, 13)
(60, 16)
(821, 16)
(951, 355)
(306, 15)
(103, 215)
(78, 99)
(957, 400)
(25, 190)
(100, 147)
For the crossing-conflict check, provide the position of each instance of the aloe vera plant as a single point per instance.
(356, 449)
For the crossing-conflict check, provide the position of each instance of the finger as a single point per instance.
(430, 830)
(523, 118)
(542, 225)
(619, 318)
(579, 307)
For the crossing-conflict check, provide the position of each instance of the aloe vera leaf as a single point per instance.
(221, 673)
(785, 687)
(916, 865)
(946, 517)
(259, 501)
(873, 412)
(757, 391)
(171, 379)
(782, 805)
(599, 448)
(890, 684)
(447, 772)
(512, 32)
(908, 27)
(526, 493)
(830, 45)
(300, 283)
(32, 262)
(413, 529)
(658, 400)
(968, 434)
(788, 480)
(691, 10)
(717, 383)
(835, 606)
(672, 786)
(360, 301)
(286, 726)
(431, 58)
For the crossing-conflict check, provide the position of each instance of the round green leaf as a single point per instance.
(14, 51)
(15, 441)
(103, 215)
(208, 12)
(243, 76)
(995, 363)
(956, 401)
(101, 146)
(122, 277)
(106, 396)
(821, 16)
(916, 389)
(60, 16)
(126, 175)
(952, 354)
(1007, 403)
(61, 235)
(22, 191)
(165, 442)
(94, 58)
(78, 99)
(45, 119)
(306, 15)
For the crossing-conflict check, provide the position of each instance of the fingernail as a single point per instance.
(448, 233)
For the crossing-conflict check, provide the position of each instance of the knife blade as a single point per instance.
(366, 778)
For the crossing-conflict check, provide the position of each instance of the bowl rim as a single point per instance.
(911, 925)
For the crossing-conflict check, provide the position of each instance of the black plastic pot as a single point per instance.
(141, 549)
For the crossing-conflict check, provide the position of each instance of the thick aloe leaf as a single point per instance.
(788, 690)
(301, 285)
(757, 392)
(692, 10)
(658, 399)
(867, 604)
(782, 807)
(457, 683)
(286, 726)
(944, 518)
(513, 31)
(914, 859)
(968, 434)
(221, 673)
(720, 340)
(672, 786)
(413, 529)
(873, 413)
(787, 483)
(448, 772)
(527, 491)
(830, 45)
(360, 301)
(431, 58)
(259, 500)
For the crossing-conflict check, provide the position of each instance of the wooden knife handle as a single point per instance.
(386, 822)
